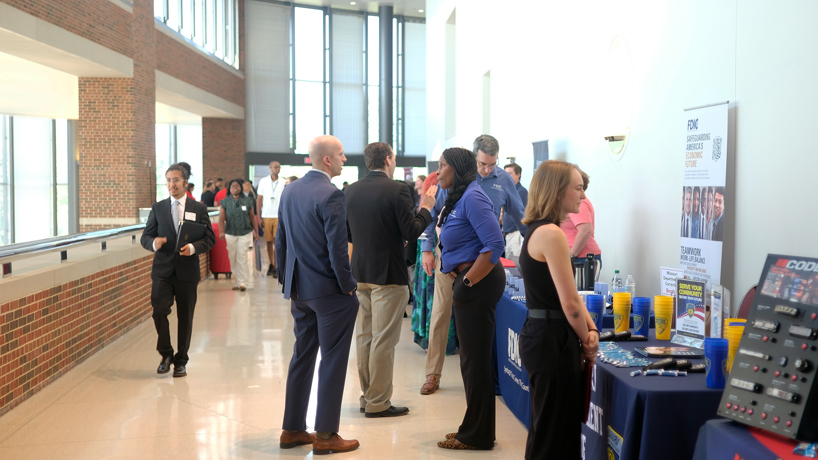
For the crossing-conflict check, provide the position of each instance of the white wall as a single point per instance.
(547, 63)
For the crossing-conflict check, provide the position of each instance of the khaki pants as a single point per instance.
(377, 332)
(439, 323)
(514, 243)
(237, 247)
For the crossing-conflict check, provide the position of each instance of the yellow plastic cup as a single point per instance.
(622, 316)
(663, 316)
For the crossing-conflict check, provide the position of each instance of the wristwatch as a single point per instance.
(467, 282)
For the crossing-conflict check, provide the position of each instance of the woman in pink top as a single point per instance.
(579, 227)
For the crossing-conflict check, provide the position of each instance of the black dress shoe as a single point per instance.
(270, 270)
(275, 272)
(393, 411)
(164, 366)
(179, 371)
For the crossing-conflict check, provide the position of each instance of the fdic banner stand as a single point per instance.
(701, 220)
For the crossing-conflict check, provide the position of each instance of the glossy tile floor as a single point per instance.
(230, 405)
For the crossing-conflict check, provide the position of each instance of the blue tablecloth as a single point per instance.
(637, 416)
(644, 417)
(726, 439)
(512, 378)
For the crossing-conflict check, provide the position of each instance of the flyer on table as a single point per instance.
(690, 308)
(701, 223)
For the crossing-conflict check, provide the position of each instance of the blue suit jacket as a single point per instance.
(311, 244)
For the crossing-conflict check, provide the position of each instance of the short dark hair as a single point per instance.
(517, 169)
(720, 191)
(219, 180)
(178, 167)
(375, 155)
(486, 144)
(190, 186)
(229, 184)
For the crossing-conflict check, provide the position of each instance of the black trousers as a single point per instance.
(163, 293)
(474, 309)
(551, 354)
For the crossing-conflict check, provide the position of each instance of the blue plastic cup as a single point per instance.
(715, 360)
(596, 308)
(641, 315)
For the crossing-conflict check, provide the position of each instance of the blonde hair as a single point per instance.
(548, 186)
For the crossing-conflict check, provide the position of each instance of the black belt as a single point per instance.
(546, 314)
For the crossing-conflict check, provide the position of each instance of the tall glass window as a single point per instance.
(210, 24)
(6, 209)
(33, 146)
(174, 144)
(309, 76)
(373, 73)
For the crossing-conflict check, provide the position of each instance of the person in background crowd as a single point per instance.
(500, 188)
(219, 185)
(686, 212)
(175, 275)
(423, 312)
(558, 336)
(269, 198)
(345, 185)
(313, 237)
(579, 227)
(718, 214)
(290, 180)
(209, 194)
(240, 226)
(472, 243)
(189, 191)
(250, 192)
(419, 184)
(513, 238)
(380, 217)
(696, 212)
(220, 195)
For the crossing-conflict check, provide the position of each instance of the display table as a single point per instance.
(727, 439)
(637, 417)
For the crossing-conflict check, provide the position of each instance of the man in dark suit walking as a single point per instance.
(175, 275)
(381, 217)
(313, 262)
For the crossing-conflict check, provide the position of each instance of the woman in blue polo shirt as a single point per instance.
(471, 242)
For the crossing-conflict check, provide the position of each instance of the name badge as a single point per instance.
(244, 208)
(190, 216)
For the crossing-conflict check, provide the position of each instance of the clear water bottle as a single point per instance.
(616, 285)
(631, 285)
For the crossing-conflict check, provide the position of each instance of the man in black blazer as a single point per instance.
(313, 265)
(175, 274)
(381, 218)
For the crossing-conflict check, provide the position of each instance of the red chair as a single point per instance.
(747, 302)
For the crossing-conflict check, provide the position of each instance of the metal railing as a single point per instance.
(19, 251)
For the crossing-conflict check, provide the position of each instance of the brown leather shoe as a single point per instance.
(333, 445)
(432, 384)
(290, 439)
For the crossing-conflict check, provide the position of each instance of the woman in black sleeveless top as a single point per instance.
(559, 337)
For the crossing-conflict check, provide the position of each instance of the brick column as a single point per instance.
(223, 149)
(116, 136)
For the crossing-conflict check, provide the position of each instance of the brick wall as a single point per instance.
(223, 148)
(46, 334)
(216, 79)
(100, 21)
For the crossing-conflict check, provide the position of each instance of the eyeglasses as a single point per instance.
(175, 180)
(482, 165)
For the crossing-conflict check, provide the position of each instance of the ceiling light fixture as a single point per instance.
(352, 3)
(420, 11)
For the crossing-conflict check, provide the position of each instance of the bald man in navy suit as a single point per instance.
(313, 262)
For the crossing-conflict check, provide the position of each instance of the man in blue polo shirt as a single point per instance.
(514, 240)
(501, 190)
